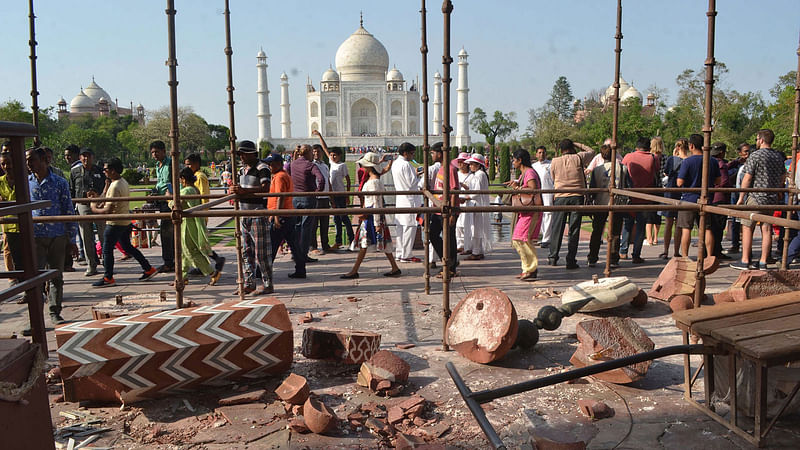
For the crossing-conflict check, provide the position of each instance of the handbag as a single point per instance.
(527, 199)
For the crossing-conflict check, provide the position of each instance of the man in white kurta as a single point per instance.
(405, 179)
(542, 168)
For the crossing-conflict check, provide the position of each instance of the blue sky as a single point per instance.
(517, 48)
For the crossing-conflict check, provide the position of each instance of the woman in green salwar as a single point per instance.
(194, 240)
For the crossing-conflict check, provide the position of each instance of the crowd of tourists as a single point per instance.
(323, 185)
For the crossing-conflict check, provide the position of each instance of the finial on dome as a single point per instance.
(361, 20)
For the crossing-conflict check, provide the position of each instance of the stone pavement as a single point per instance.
(650, 413)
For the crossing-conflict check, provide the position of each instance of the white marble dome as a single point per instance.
(394, 75)
(81, 103)
(95, 92)
(361, 57)
(623, 87)
(631, 92)
(330, 75)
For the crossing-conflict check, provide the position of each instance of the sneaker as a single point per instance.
(552, 262)
(219, 264)
(91, 272)
(148, 274)
(732, 251)
(572, 266)
(591, 263)
(166, 269)
(637, 260)
(104, 282)
(297, 275)
(311, 260)
(723, 256)
(56, 319)
(27, 332)
(544, 245)
(738, 265)
(759, 266)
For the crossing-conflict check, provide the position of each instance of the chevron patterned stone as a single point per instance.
(154, 354)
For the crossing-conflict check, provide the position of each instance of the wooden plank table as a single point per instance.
(764, 331)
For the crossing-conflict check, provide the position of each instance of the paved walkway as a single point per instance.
(650, 413)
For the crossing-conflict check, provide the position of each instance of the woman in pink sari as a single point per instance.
(526, 228)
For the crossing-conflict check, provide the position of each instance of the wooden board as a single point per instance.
(708, 326)
(737, 333)
(687, 319)
(777, 347)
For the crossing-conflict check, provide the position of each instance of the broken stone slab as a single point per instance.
(294, 389)
(240, 433)
(384, 367)
(595, 410)
(612, 338)
(600, 294)
(483, 326)
(395, 415)
(407, 442)
(248, 414)
(247, 397)
(346, 346)
(412, 402)
(130, 358)
(319, 417)
(540, 443)
(760, 283)
(679, 277)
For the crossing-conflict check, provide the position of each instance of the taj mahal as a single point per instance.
(361, 102)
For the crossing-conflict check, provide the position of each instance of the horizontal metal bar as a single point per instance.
(492, 394)
(30, 283)
(17, 208)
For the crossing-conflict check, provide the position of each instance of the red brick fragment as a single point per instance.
(412, 402)
(595, 410)
(319, 417)
(483, 326)
(383, 385)
(395, 415)
(407, 442)
(307, 318)
(297, 410)
(377, 427)
(298, 425)
(247, 397)
(383, 366)
(294, 389)
(415, 411)
(405, 346)
(540, 443)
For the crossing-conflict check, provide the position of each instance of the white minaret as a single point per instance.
(286, 121)
(264, 117)
(462, 108)
(437, 104)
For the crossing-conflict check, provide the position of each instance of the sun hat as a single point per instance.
(370, 159)
(463, 156)
(477, 158)
(247, 147)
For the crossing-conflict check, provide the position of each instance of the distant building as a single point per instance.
(96, 102)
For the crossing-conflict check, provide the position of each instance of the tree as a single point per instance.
(547, 128)
(561, 99)
(193, 130)
(500, 127)
(219, 138)
(779, 116)
(505, 163)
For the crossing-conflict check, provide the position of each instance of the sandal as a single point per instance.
(475, 257)
(663, 256)
(529, 275)
(394, 273)
(215, 276)
(349, 276)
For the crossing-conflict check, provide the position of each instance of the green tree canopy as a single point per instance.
(500, 127)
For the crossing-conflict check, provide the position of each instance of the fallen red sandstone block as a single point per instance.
(306, 318)
(347, 346)
(383, 366)
(679, 277)
(130, 358)
(612, 338)
(248, 397)
(395, 415)
(595, 410)
(383, 385)
(760, 283)
(378, 427)
(483, 326)
(319, 417)
(294, 389)
(412, 402)
(415, 411)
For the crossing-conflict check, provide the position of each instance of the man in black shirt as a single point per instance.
(83, 179)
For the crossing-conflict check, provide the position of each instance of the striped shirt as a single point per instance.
(254, 177)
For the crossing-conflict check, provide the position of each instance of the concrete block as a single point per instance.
(347, 346)
(483, 326)
(148, 355)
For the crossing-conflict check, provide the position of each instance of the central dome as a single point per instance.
(361, 57)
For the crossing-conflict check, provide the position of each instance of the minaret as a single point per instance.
(286, 121)
(462, 107)
(264, 117)
(437, 104)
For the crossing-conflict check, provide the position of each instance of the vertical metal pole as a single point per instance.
(793, 170)
(700, 276)
(34, 91)
(174, 153)
(29, 265)
(447, 9)
(234, 174)
(613, 239)
(425, 146)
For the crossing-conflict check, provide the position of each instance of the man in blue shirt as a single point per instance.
(51, 238)
(690, 175)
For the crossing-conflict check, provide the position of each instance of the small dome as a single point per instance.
(462, 52)
(361, 57)
(394, 75)
(261, 54)
(631, 92)
(330, 75)
(436, 76)
(61, 101)
(139, 107)
(284, 77)
(102, 101)
(623, 86)
(81, 103)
